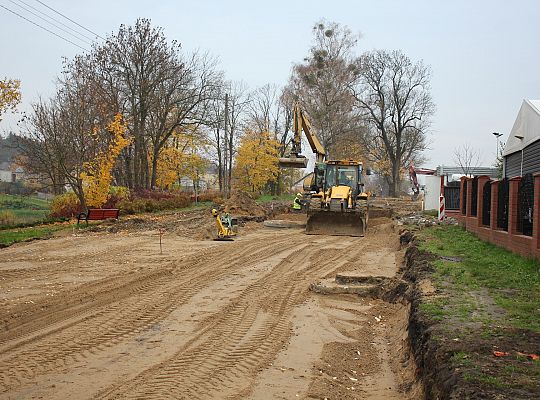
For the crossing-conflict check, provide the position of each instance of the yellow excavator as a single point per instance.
(336, 202)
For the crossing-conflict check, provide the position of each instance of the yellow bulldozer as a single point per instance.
(336, 201)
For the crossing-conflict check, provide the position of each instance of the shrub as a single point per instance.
(65, 206)
(150, 201)
(7, 217)
(210, 195)
(117, 194)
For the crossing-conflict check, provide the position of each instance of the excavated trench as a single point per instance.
(407, 366)
(384, 355)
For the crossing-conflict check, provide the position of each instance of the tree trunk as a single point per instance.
(129, 169)
(396, 181)
(137, 164)
(153, 179)
(79, 192)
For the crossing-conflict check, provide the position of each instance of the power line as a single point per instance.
(56, 20)
(42, 27)
(53, 24)
(69, 19)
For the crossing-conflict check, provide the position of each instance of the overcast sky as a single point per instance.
(484, 55)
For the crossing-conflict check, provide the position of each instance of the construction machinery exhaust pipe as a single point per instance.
(293, 162)
(336, 223)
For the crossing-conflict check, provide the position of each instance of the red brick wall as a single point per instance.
(528, 246)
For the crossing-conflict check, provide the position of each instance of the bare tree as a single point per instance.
(321, 84)
(499, 162)
(216, 124)
(225, 119)
(60, 136)
(237, 104)
(154, 85)
(270, 110)
(392, 93)
(466, 158)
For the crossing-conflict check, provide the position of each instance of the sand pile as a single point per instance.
(242, 204)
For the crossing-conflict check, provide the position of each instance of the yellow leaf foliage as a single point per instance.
(169, 163)
(180, 157)
(10, 95)
(97, 176)
(256, 162)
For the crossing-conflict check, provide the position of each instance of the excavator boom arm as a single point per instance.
(301, 123)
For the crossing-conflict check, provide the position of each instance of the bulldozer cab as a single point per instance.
(344, 175)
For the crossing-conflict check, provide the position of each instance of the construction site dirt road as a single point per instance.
(105, 315)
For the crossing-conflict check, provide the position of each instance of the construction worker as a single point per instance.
(297, 205)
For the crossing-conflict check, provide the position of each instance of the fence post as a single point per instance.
(469, 197)
(462, 195)
(536, 215)
(482, 180)
(513, 205)
(494, 204)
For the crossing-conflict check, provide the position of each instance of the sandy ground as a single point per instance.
(105, 315)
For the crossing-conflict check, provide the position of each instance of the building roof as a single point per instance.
(476, 171)
(526, 129)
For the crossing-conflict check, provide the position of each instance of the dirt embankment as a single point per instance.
(442, 348)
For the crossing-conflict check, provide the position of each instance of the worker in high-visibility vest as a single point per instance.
(297, 205)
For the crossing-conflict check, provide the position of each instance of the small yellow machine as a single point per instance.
(226, 226)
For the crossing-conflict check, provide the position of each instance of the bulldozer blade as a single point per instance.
(336, 223)
(293, 162)
(224, 239)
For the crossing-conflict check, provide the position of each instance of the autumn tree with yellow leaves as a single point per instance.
(168, 166)
(181, 156)
(256, 162)
(10, 95)
(96, 175)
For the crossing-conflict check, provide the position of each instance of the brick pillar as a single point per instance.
(536, 213)
(494, 203)
(462, 194)
(480, 200)
(469, 197)
(513, 205)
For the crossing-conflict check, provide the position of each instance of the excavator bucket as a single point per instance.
(293, 162)
(336, 223)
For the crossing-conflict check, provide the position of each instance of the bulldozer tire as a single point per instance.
(362, 207)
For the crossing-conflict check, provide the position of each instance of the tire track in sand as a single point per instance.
(119, 318)
(233, 345)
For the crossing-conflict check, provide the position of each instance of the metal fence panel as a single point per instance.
(474, 196)
(526, 205)
(502, 208)
(486, 204)
(451, 197)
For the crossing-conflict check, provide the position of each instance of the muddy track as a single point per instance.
(201, 322)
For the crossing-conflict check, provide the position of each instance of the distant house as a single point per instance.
(186, 183)
(522, 150)
(6, 174)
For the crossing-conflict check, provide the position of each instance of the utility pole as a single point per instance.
(226, 183)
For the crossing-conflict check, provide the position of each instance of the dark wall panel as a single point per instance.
(531, 161)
